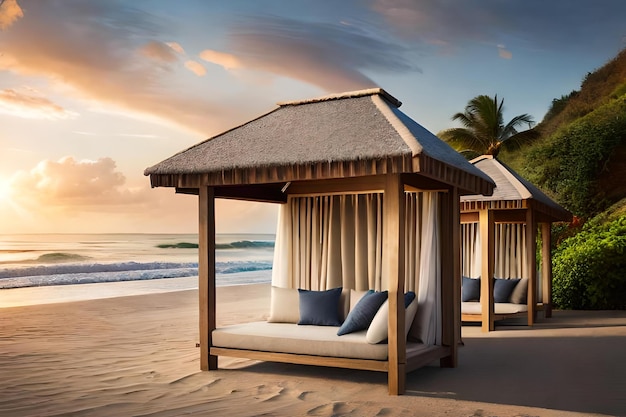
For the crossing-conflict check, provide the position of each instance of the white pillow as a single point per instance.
(378, 330)
(284, 305)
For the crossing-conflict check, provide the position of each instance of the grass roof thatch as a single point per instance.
(350, 134)
(511, 187)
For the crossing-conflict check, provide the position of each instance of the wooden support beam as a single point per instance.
(451, 276)
(393, 252)
(206, 275)
(531, 256)
(487, 242)
(339, 186)
(470, 217)
(546, 268)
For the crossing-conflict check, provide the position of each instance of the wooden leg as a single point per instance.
(397, 379)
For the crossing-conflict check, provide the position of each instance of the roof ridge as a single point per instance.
(521, 188)
(347, 94)
(403, 131)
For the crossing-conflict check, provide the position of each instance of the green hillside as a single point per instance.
(580, 160)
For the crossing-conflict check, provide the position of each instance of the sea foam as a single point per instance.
(81, 273)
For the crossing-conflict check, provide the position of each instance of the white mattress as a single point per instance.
(474, 307)
(293, 338)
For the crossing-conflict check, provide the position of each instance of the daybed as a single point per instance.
(282, 339)
(367, 198)
(510, 301)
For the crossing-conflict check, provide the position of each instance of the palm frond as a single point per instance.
(516, 141)
(484, 130)
(511, 128)
(461, 138)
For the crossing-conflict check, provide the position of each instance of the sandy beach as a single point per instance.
(136, 355)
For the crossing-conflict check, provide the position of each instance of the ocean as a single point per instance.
(31, 260)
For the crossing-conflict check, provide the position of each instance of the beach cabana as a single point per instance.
(499, 242)
(369, 200)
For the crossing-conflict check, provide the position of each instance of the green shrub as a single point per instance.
(589, 269)
(570, 162)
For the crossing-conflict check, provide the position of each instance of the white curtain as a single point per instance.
(510, 243)
(325, 242)
(426, 277)
(511, 257)
(470, 249)
(333, 241)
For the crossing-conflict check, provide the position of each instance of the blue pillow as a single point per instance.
(470, 291)
(320, 308)
(408, 298)
(363, 313)
(502, 289)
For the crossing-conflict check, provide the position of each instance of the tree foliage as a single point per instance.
(570, 162)
(589, 268)
(484, 131)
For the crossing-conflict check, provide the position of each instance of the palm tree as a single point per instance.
(484, 131)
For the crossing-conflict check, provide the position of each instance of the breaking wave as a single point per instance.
(81, 273)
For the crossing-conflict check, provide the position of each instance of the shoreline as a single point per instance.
(53, 294)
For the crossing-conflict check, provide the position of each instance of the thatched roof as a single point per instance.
(512, 191)
(354, 134)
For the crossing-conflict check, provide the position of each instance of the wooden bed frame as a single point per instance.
(413, 362)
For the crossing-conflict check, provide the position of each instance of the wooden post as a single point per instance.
(206, 275)
(487, 243)
(531, 256)
(451, 276)
(393, 252)
(546, 268)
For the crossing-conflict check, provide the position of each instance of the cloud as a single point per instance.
(445, 25)
(74, 185)
(105, 51)
(100, 50)
(504, 53)
(84, 196)
(225, 60)
(159, 51)
(195, 67)
(10, 11)
(176, 47)
(332, 56)
(27, 106)
(449, 25)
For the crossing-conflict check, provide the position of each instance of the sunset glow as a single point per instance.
(94, 91)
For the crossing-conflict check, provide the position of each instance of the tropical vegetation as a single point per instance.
(579, 159)
(484, 131)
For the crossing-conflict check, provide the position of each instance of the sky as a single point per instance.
(94, 91)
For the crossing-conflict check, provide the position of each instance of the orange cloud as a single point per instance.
(176, 47)
(74, 184)
(10, 11)
(71, 196)
(91, 48)
(227, 61)
(99, 61)
(195, 67)
(31, 106)
(159, 51)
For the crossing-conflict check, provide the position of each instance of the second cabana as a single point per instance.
(499, 248)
